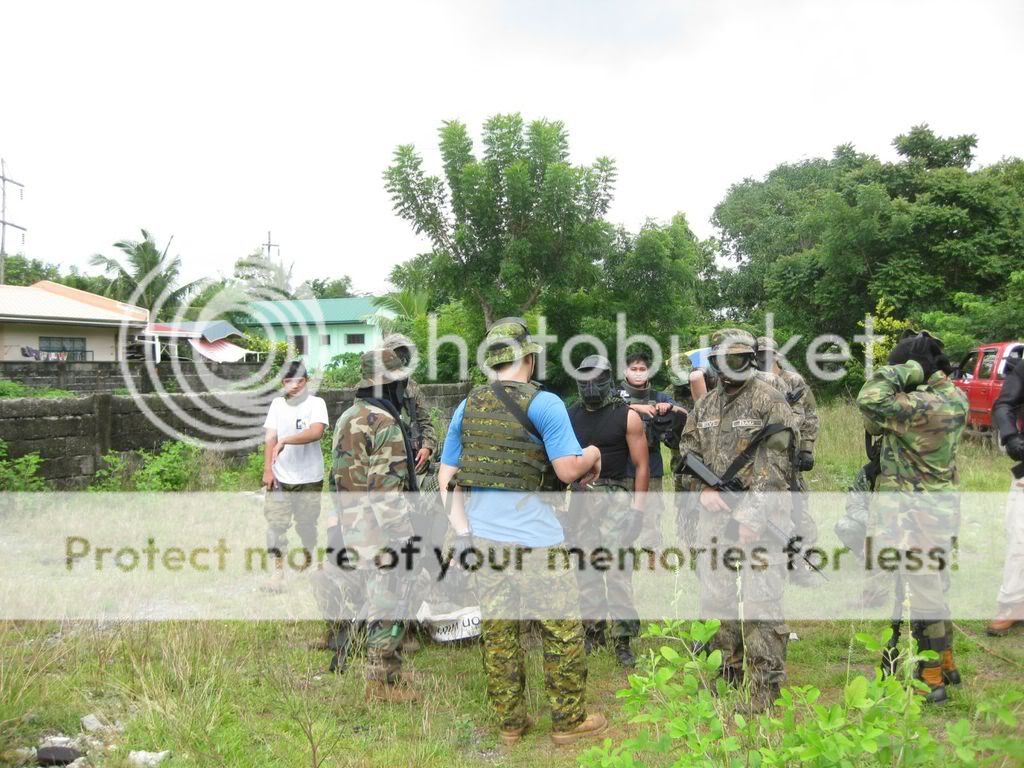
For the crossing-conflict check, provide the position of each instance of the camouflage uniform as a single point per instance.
(417, 415)
(498, 453)
(565, 665)
(718, 430)
(920, 431)
(285, 502)
(371, 469)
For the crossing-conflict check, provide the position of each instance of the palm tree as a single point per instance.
(406, 305)
(146, 273)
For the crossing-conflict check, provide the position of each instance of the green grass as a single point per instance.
(253, 694)
(11, 389)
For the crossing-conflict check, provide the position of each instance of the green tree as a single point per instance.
(21, 270)
(519, 220)
(327, 288)
(146, 273)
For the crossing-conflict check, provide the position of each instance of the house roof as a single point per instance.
(46, 301)
(311, 311)
(210, 330)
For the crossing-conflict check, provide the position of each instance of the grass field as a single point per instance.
(253, 694)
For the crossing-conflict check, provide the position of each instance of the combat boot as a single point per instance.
(592, 638)
(931, 675)
(593, 725)
(511, 736)
(624, 653)
(950, 674)
(891, 653)
(339, 642)
(275, 584)
(379, 690)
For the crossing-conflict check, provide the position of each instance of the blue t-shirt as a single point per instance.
(517, 517)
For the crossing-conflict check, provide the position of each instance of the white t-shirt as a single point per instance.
(297, 463)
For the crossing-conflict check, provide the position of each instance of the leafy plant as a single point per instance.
(342, 371)
(21, 474)
(17, 389)
(690, 716)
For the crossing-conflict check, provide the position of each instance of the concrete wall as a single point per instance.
(109, 377)
(101, 341)
(71, 434)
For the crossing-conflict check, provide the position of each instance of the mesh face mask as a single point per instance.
(596, 392)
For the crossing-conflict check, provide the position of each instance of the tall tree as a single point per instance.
(147, 271)
(327, 288)
(270, 279)
(515, 222)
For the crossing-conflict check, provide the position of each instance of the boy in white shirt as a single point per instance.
(293, 468)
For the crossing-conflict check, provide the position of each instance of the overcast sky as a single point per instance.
(214, 122)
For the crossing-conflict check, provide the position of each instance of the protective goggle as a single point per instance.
(733, 362)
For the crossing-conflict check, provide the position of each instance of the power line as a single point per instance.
(4, 224)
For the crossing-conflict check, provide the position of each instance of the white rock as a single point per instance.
(59, 740)
(91, 724)
(140, 757)
(82, 762)
(25, 754)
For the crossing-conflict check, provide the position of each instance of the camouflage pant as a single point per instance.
(596, 519)
(521, 593)
(754, 653)
(370, 595)
(753, 635)
(803, 523)
(285, 502)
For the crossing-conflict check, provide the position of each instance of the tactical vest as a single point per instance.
(497, 451)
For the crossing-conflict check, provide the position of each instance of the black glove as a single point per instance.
(634, 525)
(1015, 447)
(805, 461)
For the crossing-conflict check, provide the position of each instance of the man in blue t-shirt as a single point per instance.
(507, 443)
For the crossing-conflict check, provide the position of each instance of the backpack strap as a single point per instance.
(513, 407)
(747, 454)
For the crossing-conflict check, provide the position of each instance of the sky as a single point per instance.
(216, 122)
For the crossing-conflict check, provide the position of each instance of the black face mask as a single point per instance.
(596, 392)
(394, 392)
(404, 355)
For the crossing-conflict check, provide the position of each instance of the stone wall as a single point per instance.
(109, 377)
(71, 434)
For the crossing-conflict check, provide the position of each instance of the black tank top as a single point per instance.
(606, 429)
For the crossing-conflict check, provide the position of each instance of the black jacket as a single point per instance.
(1004, 412)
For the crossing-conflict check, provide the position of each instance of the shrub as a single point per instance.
(341, 372)
(16, 389)
(19, 474)
(689, 717)
(174, 467)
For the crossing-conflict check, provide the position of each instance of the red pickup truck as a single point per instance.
(980, 375)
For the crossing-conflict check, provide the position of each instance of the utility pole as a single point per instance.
(268, 245)
(4, 223)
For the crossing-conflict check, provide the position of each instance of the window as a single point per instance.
(988, 362)
(966, 370)
(325, 339)
(355, 338)
(63, 348)
(1007, 363)
(299, 342)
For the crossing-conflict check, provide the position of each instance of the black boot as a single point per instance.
(339, 642)
(930, 672)
(624, 653)
(592, 639)
(891, 652)
(950, 674)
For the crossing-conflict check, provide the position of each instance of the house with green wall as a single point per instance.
(320, 329)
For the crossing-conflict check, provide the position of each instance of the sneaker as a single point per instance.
(593, 725)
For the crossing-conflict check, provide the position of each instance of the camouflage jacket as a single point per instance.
(423, 435)
(370, 473)
(806, 408)
(720, 428)
(920, 429)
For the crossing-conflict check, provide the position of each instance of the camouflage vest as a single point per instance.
(497, 451)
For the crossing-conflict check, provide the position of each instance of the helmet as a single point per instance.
(732, 354)
(679, 368)
(508, 340)
(767, 353)
(401, 344)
